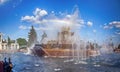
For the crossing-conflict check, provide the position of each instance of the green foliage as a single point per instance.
(32, 37)
(21, 41)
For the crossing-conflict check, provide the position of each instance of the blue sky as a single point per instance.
(101, 18)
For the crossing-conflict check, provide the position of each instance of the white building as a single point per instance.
(4, 44)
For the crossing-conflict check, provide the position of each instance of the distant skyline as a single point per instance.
(97, 19)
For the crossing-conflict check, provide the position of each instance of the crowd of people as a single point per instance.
(6, 66)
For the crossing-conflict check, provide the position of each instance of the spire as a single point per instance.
(32, 27)
(43, 36)
(0, 37)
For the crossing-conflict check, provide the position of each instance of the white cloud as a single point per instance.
(89, 23)
(68, 16)
(113, 36)
(51, 20)
(43, 28)
(38, 14)
(117, 33)
(106, 27)
(115, 23)
(3, 1)
(22, 27)
(112, 24)
(28, 18)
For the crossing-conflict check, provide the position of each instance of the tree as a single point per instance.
(21, 41)
(32, 37)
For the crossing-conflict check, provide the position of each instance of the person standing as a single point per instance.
(1, 66)
(10, 65)
(5, 65)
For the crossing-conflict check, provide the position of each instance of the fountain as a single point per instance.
(67, 42)
(79, 50)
